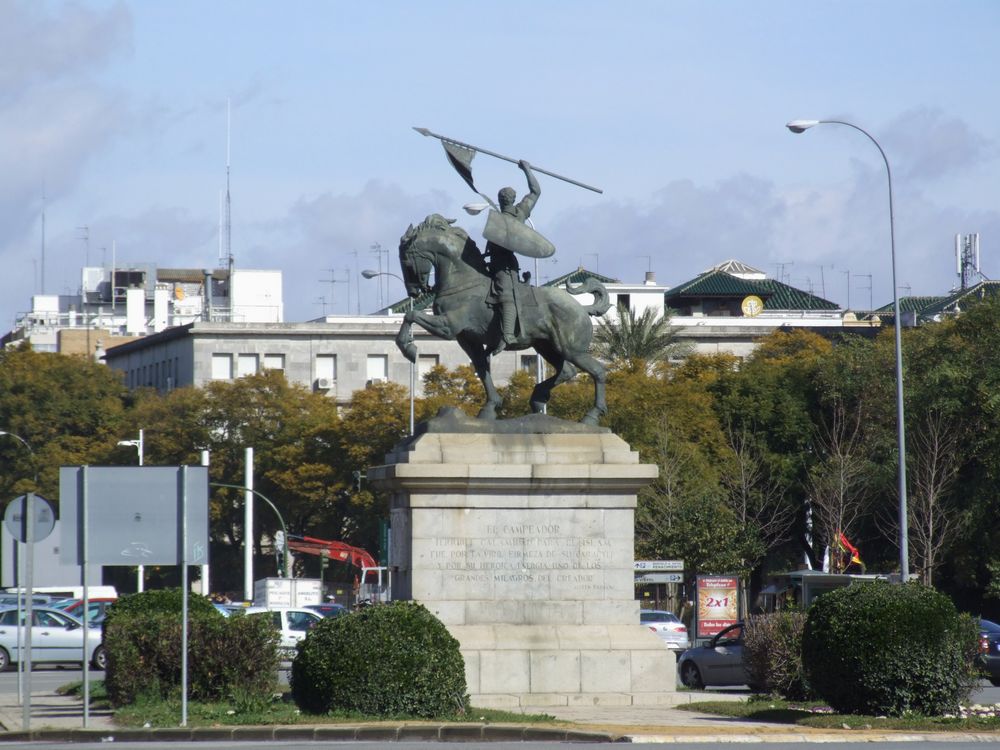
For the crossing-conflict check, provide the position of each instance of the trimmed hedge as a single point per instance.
(228, 658)
(772, 653)
(881, 648)
(389, 660)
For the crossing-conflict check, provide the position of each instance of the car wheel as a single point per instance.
(4, 660)
(100, 659)
(691, 677)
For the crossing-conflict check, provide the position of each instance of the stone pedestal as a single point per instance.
(522, 544)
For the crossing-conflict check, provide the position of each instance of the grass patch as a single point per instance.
(817, 715)
(166, 713)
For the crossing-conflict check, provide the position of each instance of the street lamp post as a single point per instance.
(281, 520)
(369, 274)
(800, 126)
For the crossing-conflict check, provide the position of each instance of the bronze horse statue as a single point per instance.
(550, 320)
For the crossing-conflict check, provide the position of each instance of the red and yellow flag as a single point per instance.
(849, 549)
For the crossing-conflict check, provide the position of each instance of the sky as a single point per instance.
(117, 121)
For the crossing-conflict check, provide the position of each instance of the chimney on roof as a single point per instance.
(650, 278)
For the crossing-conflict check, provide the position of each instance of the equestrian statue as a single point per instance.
(480, 300)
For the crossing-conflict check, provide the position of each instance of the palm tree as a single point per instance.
(648, 338)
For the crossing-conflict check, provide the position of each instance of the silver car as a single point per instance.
(668, 626)
(718, 663)
(55, 637)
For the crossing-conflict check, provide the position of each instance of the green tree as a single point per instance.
(459, 388)
(638, 341)
(69, 409)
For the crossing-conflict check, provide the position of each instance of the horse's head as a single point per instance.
(420, 248)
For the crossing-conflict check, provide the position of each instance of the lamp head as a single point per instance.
(369, 274)
(474, 208)
(801, 126)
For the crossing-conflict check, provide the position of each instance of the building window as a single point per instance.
(246, 364)
(222, 367)
(274, 362)
(426, 363)
(326, 367)
(624, 301)
(529, 363)
(377, 367)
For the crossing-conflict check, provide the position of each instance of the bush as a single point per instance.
(226, 657)
(772, 653)
(881, 648)
(389, 660)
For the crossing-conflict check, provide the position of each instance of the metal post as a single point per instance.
(369, 274)
(248, 529)
(184, 598)
(28, 534)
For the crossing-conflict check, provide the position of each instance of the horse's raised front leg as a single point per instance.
(434, 324)
(481, 363)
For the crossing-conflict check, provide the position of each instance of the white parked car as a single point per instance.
(668, 626)
(55, 637)
(292, 623)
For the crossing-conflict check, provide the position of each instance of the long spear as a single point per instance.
(425, 131)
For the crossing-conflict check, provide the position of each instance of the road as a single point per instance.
(279, 745)
(46, 678)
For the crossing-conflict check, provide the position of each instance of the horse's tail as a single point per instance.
(602, 300)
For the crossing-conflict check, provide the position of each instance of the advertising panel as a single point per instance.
(716, 609)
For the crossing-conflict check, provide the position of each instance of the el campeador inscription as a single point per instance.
(523, 553)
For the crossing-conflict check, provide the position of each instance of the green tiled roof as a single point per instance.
(776, 295)
(578, 276)
(953, 303)
(910, 304)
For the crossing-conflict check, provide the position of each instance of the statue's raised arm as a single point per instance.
(534, 191)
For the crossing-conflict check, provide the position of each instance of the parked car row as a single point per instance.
(989, 650)
(56, 637)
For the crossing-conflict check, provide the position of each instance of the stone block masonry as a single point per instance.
(521, 542)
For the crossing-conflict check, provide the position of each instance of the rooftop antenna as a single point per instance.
(357, 282)
(780, 267)
(334, 280)
(967, 259)
(869, 288)
(43, 241)
(85, 236)
(229, 213)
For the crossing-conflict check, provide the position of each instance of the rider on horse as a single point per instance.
(503, 263)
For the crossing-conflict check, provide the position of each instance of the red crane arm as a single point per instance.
(342, 551)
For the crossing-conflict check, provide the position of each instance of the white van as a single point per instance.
(71, 592)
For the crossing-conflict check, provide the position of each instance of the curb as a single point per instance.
(367, 733)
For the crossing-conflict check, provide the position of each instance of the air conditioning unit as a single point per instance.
(373, 381)
(324, 384)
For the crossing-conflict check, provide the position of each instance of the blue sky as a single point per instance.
(116, 112)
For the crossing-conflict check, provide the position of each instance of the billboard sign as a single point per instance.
(135, 515)
(716, 608)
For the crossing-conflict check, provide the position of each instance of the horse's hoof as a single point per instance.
(487, 412)
(592, 418)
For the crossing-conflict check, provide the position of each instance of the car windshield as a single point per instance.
(658, 617)
(989, 626)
